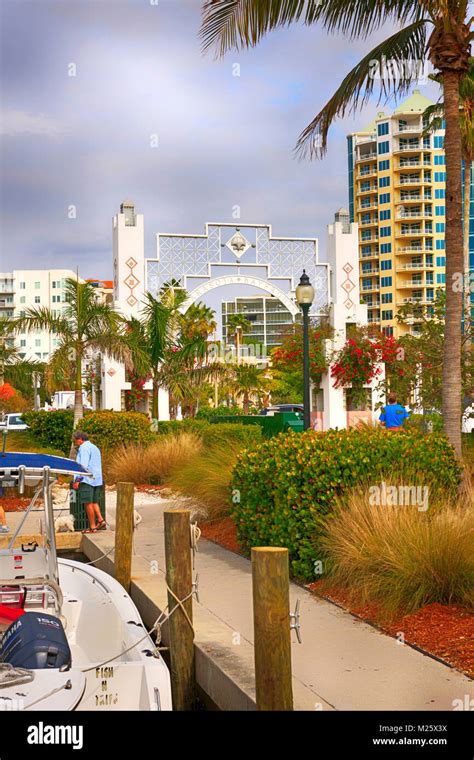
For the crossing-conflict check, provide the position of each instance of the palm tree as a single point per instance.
(237, 324)
(436, 29)
(433, 115)
(8, 351)
(83, 326)
(249, 381)
(199, 320)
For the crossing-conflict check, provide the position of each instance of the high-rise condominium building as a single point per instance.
(397, 188)
(268, 317)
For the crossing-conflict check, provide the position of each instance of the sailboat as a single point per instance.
(71, 637)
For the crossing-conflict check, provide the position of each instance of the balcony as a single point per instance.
(369, 222)
(414, 199)
(410, 128)
(371, 255)
(371, 189)
(367, 288)
(413, 284)
(368, 206)
(367, 157)
(372, 239)
(369, 172)
(414, 215)
(369, 272)
(414, 249)
(412, 163)
(421, 301)
(413, 267)
(415, 232)
(407, 148)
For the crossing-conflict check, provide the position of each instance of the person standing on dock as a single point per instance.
(89, 489)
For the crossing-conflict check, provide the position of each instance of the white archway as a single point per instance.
(218, 282)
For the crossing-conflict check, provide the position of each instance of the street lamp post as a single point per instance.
(305, 297)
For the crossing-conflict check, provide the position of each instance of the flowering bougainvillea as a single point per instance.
(357, 362)
(136, 392)
(6, 391)
(290, 354)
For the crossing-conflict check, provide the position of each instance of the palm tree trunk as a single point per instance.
(154, 399)
(246, 403)
(467, 283)
(78, 404)
(454, 264)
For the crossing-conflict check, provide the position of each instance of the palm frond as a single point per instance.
(42, 318)
(409, 44)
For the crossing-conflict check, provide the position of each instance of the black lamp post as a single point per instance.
(305, 297)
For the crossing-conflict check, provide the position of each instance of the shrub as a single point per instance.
(400, 556)
(206, 412)
(288, 485)
(135, 464)
(53, 429)
(424, 422)
(219, 433)
(206, 478)
(109, 429)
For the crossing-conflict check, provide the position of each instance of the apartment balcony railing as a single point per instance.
(369, 222)
(372, 239)
(415, 300)
(374, 286)
(370, 171)
(414, 214)
(371, 189)
(371, 255)
(406, 148)
(414, 249)
(416, 232)
(367, 272)
(368, 206)
(414, 284)
(412, 266)
(367, 156)
(407, 163)
(406, 128)
(414, 199)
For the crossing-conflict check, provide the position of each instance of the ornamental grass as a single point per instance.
(152, 464)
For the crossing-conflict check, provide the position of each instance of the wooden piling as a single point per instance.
(272, 635)
(179, 580)
(124, 534)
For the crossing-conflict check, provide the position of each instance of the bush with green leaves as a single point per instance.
(206, 412)
(219, 433)
(109, 429)
(53, 429)
(288, 485)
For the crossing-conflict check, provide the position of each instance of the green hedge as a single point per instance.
(288, 485)
(205, 412)
(106, 429)
(52, 428)
(214, 434)
(109, 429)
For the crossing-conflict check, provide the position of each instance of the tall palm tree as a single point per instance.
(8, 352)
(436, 29)
(199, 320)
(84, 325)
(237, 324)
(433, 116)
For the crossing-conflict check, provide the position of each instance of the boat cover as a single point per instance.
(11, 460)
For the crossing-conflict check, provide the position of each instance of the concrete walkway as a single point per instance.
(343, 663)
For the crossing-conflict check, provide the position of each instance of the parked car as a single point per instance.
(296, 408)
(13, 421)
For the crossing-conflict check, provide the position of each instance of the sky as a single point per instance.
(103, 100)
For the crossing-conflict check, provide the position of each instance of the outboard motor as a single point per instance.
(35, 641)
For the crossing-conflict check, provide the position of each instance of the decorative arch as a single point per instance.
(256, 282)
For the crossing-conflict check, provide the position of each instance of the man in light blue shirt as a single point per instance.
(89, 489)
(393, 415)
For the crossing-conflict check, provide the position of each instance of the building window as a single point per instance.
(440, 160)
(366, 266)
(22, 343)
(387, 331)
(383, 147)
(387, 264)
(439, 226)
(440, 176)
(382, 129)
(387, 297)
(429, 278)
(386, 248)
(37, 342)
(441, 261)
(438, 141)
(384, 165)
(386, 282)
(22, 299)
(384, 215)
(385, 231)
(388, 314)
(384, 181)
(384, 198)
(440, 245)
(366, 249)
(441, 279)
(22, 285)
(37, 285)
(37, 299)
(440, 210)
(440, 193)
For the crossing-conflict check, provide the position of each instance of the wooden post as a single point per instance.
(179, 580)
(124, 534)
(272, 635)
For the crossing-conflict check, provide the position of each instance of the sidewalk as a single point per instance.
(345, 663)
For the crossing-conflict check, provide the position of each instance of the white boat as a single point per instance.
(71, 637)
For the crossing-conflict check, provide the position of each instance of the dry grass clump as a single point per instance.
(154, 464)
(401, 556)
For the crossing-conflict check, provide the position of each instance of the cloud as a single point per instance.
(14, 123)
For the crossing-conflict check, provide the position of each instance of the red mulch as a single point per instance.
(222, 532)
(14, 504)
(446, 631)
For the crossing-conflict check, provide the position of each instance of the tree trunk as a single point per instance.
(237, 344)
(246, 403)
(154, 399)
(467, 278)
(78, 405)
(454, 264)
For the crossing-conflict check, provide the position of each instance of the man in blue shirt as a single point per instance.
(89, 489)
(393, 415)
